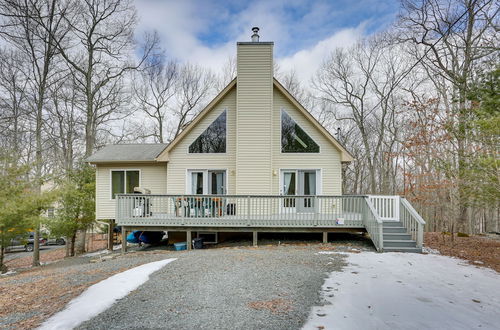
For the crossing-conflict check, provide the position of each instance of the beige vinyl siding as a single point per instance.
(152, 177)
(328, 160)
(181, 160)
(253, 121)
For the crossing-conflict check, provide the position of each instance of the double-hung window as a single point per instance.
(124, 181)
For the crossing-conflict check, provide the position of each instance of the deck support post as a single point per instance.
(111, 228)
(124, 239)
(325, 237)
(255, 237)
(188, 239)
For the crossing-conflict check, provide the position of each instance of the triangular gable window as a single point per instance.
(213, 139)
(294, 138)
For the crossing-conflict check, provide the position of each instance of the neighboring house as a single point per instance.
(254, 146)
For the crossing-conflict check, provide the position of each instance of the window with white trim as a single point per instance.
(207, 182)
(293, 138)
(124, 182)
(213, 139)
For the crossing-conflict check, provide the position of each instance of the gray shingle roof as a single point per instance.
(127, 153)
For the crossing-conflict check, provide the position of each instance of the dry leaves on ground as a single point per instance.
(478, 250)
(275, 306)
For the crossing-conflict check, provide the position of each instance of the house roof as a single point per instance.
(141, 152)
(159, 152)
(164, 154)
(345, 155)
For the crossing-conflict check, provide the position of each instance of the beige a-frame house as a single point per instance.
(253, 160)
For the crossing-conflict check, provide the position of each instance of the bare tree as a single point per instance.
(454, 38)
(291, 82)
(360, 83)
(13, 101)
(64, 125)
(154, 89)
(227, 74)
(194, 87)
(100, 53)
(34, 27)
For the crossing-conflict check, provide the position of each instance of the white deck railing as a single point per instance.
(367, 212)
(387, 207)
(413, 222)
(240, 211)
(374, 225)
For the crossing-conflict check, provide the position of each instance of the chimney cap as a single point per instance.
(255, 35)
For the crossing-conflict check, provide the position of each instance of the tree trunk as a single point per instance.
(73, 239)
(110, 235)
(3, 268)
(80, 241)
(36, 247)
(68, 249)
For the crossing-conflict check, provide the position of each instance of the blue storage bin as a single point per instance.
(180, 246)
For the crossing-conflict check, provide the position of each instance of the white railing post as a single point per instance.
(420, 235)
(397, 202)
(381, 237)
(248, 210)
(183, 210)
(316, 209)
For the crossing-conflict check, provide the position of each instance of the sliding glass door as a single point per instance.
(217, 182)
(207, 182)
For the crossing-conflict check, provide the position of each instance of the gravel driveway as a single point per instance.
(270, 287)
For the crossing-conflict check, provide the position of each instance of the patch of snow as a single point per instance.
(408, 291)
(105, 251)
(429, 250)
(96, 253)
(99, 297)
(10, 272)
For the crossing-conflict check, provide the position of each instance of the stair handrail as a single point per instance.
(420, 222)
(376, 233)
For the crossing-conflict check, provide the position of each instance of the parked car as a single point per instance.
(24, 243)
(56, 241)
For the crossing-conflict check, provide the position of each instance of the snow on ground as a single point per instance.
(99, 297)
(408, 291)
(10, 272)
(99, 252)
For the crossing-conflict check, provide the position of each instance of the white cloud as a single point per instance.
(307, 61)
(180, 24)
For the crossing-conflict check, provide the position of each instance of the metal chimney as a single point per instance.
(255, 36)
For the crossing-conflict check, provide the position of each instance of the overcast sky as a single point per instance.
(304, 32)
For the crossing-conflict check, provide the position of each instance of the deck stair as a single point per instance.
(397, 239)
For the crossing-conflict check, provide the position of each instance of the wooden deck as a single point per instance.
(264, 213)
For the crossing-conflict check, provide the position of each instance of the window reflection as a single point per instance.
(294, 138)
(213, 139)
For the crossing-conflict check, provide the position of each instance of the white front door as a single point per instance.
(307, 187)
(299, 183)
(289, 179)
